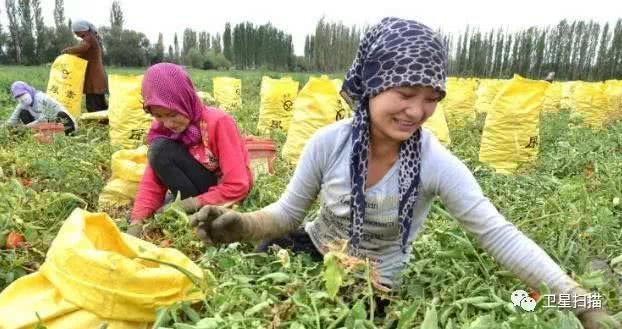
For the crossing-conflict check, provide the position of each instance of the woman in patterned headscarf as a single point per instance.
(377, 174)
(194, 150)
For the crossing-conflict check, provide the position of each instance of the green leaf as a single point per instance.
(357, 313)
(257, 308)
(616, 261)
(407, 317)
(184, 326)
(162, 317)
(208, 323)
(430, 321)
(483, 322)
(30, 234)
(592, 280)
(276, 277)
(333, 274)
(190, 312)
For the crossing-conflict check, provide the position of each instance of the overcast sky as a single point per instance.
(299, 17)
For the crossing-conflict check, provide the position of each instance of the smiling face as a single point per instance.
(172, 120)
(397, 113)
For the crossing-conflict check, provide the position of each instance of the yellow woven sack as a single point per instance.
(228, 93)
(591, 103)
(318, 104)
(128, 121)
(437, 124)
(277, 104)
(66, 82)
(344, 108)
(459, 104)
(128, 167)
(485, 94)
(92, 275)
(613, 91)
(511, 131)
(567, 100)
(552, 98)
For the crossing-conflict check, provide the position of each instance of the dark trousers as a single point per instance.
(25, 117)
(178, 170)
(96, 102)
(297, 241)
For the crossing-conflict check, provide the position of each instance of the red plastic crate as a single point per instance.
(262, 154)
(46, 131)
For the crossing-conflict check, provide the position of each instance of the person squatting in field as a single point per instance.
(194, 150)
(34, 106)
(377, 174)
(90, 49)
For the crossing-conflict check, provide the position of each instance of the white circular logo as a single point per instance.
(521, 298)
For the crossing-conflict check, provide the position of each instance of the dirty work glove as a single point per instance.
(595, 318)
(216, 224)
(188, 205)
(598, 319)
(135, 229)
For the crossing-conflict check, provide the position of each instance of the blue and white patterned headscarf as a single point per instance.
(394, 53)
(81, 25)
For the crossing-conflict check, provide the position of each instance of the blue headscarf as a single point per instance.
(393, 53)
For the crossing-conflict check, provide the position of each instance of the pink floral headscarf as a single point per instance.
(168, 85)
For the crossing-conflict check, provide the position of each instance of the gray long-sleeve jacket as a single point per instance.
(43, 109)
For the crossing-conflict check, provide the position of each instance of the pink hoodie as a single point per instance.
(212, 138)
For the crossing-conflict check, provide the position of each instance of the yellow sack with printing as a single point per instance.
(591, 103)
(66, 82)
(277, 104)
(318, 104)
(128, 167)
(344, 110)
(228, 93)
(511, 130)
(567, 99)
(552, 98)
(459, 104)
(128, 121)
(486, 91)
(93, 275)
(613, 91)
(437, 124)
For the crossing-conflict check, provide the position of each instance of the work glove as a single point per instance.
(135, 229)
(188, 205)
(594, 318)
(598, 319)
(215, 224)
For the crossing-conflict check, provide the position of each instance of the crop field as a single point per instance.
(568, 201)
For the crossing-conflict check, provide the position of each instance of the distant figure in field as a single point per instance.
(35, 106)
(550, 77)
(90, 49)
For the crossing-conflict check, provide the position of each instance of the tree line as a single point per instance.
(579, 49)
(574, 50)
